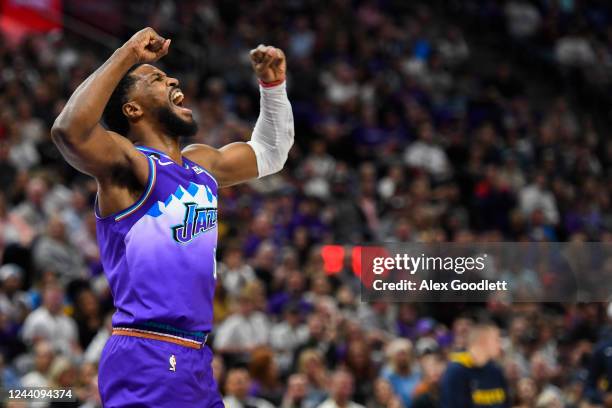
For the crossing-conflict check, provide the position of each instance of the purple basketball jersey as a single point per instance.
(159, 254)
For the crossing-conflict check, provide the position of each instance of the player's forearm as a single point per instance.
(84, 109)
(274, 131)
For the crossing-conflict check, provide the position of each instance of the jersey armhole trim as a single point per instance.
(118, 216)
(206, 172)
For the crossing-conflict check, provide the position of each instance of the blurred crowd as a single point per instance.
(405, 132)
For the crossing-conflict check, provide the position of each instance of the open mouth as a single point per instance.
(176, 98)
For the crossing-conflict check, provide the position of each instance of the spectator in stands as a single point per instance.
(399, 370)
(8, 377)
(48, 322)
(265, 376)
(526, 393)
(237, 386)
(43, 358)
(8, 171)
(383, 396)
(242, 332)
(297, 391)
(62, 373)
(523, 18)
(14, 230)
(427, 392)
(234, 273)
(54, 252)
(312, 366)
(359, 362)
(32, 210)
(14, 303)
(426, 154)
(287, 335)
(87, 316)
(341, 391)
(537, 196)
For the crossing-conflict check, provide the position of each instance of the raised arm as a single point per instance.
(272, 138)
(77, 132)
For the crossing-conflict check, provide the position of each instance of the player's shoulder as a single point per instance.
(460, 361)
(455, 370)
(198, 148)
(128, 148)
(202, 154)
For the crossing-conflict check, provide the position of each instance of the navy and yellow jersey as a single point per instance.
(599, 380)
(467, 386)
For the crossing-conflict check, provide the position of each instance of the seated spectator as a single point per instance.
(312, 366)
(537, 196)
(425, 154)
(48, 322)
(43, 358)
(87, 316)
(14, 302)
(399, 369)
(522, 18)
(265, 376)
(243, 331)
(341, 391)
(297, 391)
(32, 210)
(8, 377)
(237, 386)
(526, 393)
(293, 293)
(234, 272)
(384, 397)
(287, 335)
(358, 361)
(427, 392)
(8, 171)
(13, 227)
(320, 338)
(62, 373)
(54, 252)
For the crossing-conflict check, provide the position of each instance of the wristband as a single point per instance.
(270, 84)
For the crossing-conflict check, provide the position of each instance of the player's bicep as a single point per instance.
(237, 163)
(232, 164)
(97, 154)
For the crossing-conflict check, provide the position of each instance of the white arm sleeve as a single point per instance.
(273, 134)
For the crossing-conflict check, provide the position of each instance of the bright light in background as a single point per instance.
(333, 258)
(356, 260)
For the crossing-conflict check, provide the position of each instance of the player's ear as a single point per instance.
(132, 110)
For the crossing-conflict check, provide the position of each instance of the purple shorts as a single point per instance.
(140, 372)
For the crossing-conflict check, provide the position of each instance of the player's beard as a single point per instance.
(174, 125)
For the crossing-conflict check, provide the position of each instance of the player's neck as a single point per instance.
(168, 145)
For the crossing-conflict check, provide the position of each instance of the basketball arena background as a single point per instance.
(415, 122)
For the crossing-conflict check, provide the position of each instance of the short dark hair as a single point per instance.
(113, 116)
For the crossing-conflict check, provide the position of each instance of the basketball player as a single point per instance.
(472, 378)
(156, 214)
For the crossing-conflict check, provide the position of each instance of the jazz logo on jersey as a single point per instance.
(197, 220)
(172, 361)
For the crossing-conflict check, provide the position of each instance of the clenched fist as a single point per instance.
(147, 46)
(269, 63)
